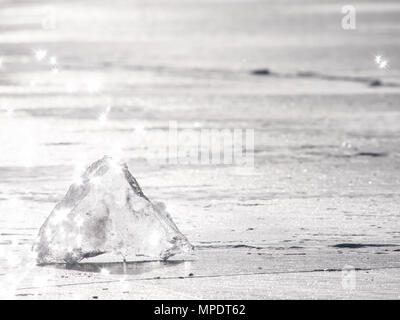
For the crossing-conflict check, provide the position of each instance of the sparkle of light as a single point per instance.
(40, 54)
(383, 64)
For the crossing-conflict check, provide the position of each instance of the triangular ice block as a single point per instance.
(108, 213)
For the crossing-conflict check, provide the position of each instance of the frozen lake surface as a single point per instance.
(81, 79)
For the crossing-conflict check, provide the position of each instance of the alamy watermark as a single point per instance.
(205, 146)
(349, 18)
(348, 278)
(49, 20)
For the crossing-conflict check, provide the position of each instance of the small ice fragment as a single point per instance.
(112, 216)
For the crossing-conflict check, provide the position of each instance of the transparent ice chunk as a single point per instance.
(107, 212)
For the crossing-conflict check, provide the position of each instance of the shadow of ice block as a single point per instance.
(106, 213)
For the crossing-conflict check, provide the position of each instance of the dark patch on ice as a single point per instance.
(375, 83)
(228, 246)
(370, 81)
(209, 242)
(371, 154)
(336, 270)
(357, 154)
(329, 77)
(261, 72)
(62, 144)
(362, 245)
(314, 146)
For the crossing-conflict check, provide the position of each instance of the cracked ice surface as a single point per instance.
(107, 212)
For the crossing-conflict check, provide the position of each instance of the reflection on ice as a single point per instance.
(131, 268)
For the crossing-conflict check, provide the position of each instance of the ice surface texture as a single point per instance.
(107, 212)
